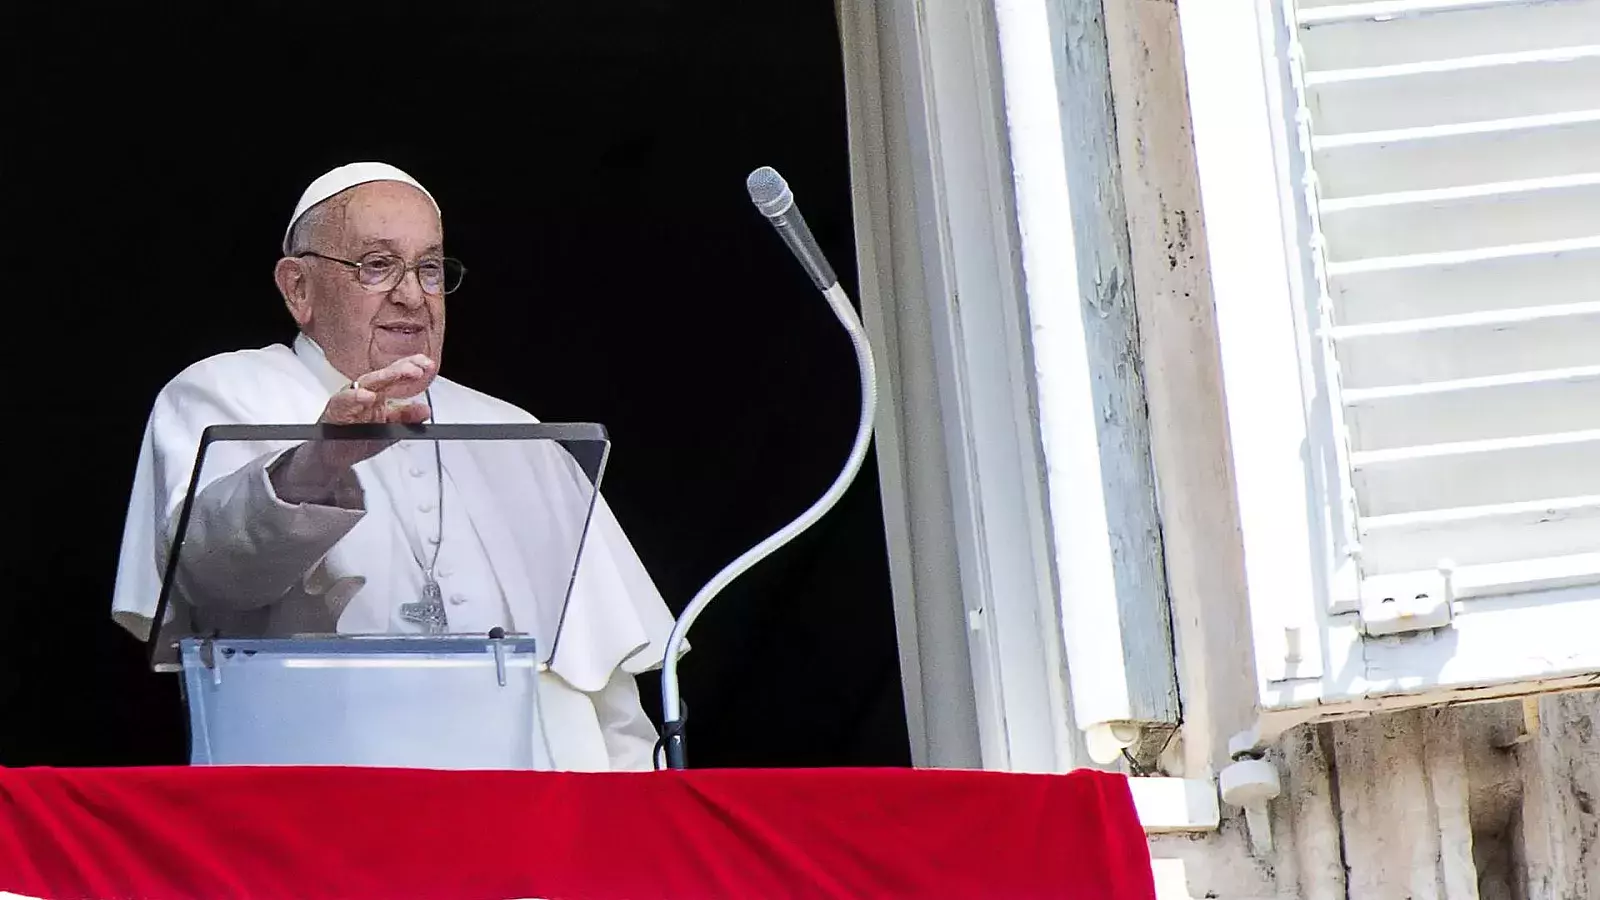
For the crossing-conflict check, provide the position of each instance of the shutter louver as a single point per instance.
(1455, 146)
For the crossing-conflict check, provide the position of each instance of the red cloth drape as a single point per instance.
(311, 833)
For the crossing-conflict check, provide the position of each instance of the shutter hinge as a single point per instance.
(1407, 603)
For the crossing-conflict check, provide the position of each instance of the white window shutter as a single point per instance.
(1435, 243)
(1455, 146)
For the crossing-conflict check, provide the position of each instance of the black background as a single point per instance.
(590, 160)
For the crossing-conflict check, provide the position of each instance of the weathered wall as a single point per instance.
(1458, 803)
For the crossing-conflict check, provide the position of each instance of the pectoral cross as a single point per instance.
(429, 611)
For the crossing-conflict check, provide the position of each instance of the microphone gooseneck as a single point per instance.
(771, 195)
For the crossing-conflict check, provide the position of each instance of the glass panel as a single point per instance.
(448, 702)
(305, 530)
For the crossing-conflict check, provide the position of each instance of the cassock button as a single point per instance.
(444, 571)
(417, 472)
(425, 507)
(457, 599)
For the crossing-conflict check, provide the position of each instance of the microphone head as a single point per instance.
(769, 192)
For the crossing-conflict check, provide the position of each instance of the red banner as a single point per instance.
(348, 833)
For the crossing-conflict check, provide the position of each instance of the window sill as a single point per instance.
(1167, 805)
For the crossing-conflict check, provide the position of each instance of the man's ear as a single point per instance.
(294, 284)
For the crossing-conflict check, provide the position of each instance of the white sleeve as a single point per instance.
(244, 548)
(629, 735)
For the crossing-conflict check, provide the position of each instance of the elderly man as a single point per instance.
(364, 538)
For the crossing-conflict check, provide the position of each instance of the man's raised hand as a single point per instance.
(371, 398)
(310, 472)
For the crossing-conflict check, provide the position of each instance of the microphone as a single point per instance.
(771, 195)
(773, 198)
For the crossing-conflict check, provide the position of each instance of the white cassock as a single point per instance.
(507, 528)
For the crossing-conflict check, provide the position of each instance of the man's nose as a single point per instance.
(409, 291)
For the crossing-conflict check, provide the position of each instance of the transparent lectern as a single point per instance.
(381, 595)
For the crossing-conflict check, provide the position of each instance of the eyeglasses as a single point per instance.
(385, 271)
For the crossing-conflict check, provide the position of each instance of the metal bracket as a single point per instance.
(497, 645)
(208, 658)
(1407, 603)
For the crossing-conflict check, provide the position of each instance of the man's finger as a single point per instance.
(387, 377)
(412, 368)
(355, 397)
(410, 414)
(350, 405)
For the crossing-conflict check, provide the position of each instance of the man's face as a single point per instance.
(362, 329)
